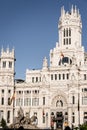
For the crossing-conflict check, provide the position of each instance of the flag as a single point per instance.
(62, 55)
(11, 99)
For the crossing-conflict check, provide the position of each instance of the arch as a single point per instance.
(59, 103)
(65, 60)
(59, 100)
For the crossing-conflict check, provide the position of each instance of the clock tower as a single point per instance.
(70, 39)
(70, 28)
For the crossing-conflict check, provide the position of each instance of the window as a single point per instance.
(1, 114)
(27, 101)
(51, 76)
(43, 100)
(73, 117)
(19, 102)
(4, 64)
(73, 99)
(10, 64)
(67, 76)
(36, 79)
(8, 116)
(55, 76)
(63, 76)
(43, 119)
(84, 100)
(9, 91)
(35, 101)
(9, 101)
(32, 79)
(2, 90)
(67, 36)
(84, 76)
(2, 101)
(59, 76)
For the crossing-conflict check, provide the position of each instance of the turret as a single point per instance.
(7, 66)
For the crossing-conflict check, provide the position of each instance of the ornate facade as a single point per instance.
(60, 87)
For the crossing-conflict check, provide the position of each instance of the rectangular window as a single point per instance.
(73, 99)
(36, 79)
(67, 76)
(84, 76)
(59, 76)
(32, 79)
(51, 76)
(43, 100)
(27, 101)
(64, 41)
(10, 64)
(63, 76)
(35, 101)
(55, 76)
(19, 102)
(8, 117)
(84, 100)
(69, 40)
(2, 90)
(43, 119)
(2, 101)
(4, 64)
(73, 119)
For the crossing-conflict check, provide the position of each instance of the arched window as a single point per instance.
(65, 60)
(64, 33)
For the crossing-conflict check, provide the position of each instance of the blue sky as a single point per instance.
(30, 26)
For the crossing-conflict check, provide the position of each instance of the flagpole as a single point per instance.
(78, 101)
(14, 105)
(14, 96)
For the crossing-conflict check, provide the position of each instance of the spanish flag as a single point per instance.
(11, 99)
(62, 55)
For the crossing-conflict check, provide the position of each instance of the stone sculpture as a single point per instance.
(26, 122)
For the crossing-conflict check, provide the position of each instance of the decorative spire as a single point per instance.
(62, 11)
(72, 10)
(45, 64)
(8, 49)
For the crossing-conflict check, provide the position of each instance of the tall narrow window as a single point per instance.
(69, 32)
(63, 76)
(8, 117)
(51, 76)
(73, 99)
(64, 33)
(73, 118)
(67, 76)
(43, 100)
(4, 64)
(84, 76)
(32, 79)
(2, 101)
(55, 76)
(10, 64)
(59, 76)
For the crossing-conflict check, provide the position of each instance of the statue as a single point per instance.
(24, 121)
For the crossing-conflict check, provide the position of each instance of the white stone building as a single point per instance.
(60, 86)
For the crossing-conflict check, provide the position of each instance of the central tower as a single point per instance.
(70, 39)
(70, 29)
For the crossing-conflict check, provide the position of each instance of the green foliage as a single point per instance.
(3, 123)
(83, 127)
